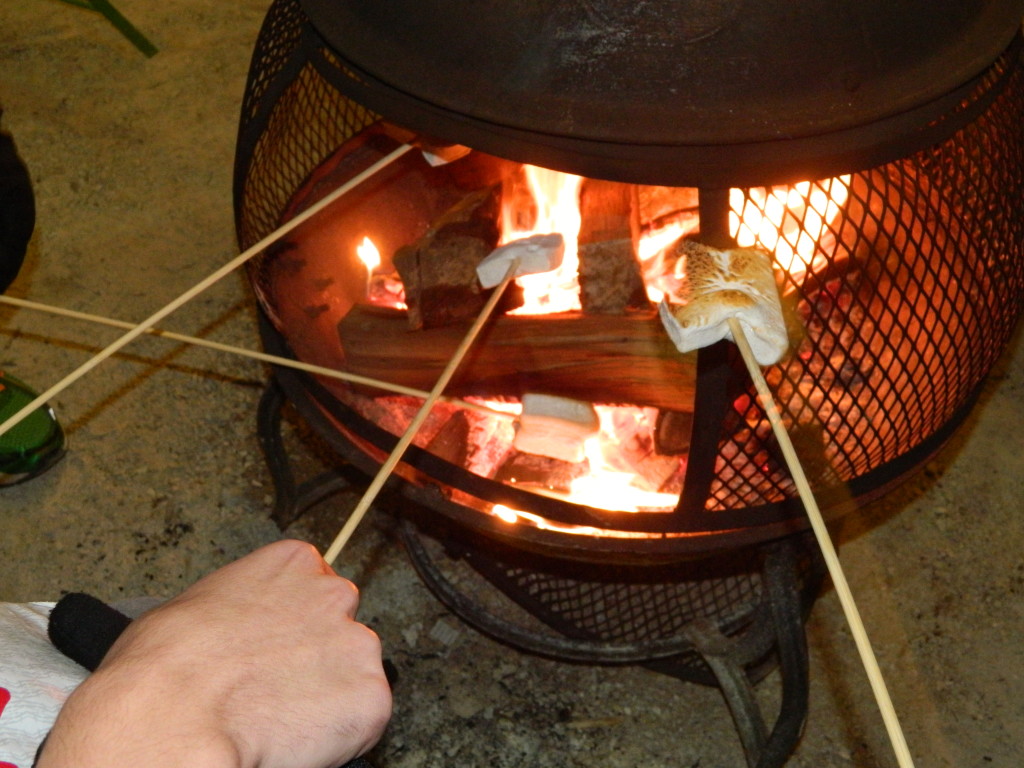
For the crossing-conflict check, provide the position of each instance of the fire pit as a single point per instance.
(889, 190)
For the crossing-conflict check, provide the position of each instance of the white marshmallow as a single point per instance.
(537, 253)
(555, 427)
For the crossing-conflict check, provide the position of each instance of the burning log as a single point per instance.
(672, 433)
(527, 469)
(451, 442)
(611, 280)
(439, 269)
(597, 358)
(658, 207)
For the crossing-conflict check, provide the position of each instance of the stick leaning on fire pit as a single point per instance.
(732, 295)
(531, 255)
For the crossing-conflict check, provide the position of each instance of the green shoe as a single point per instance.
(33, 445)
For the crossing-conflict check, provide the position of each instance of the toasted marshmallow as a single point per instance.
(718, 285)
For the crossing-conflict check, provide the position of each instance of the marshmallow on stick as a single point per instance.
(732, 294)
(717, 285)
(512, 264)
(535, 254)
(556, 427)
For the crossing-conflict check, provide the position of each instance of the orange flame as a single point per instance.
(368, 254)
(556, 196)
(793, 222)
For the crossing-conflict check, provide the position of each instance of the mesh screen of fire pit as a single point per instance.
(901, 283)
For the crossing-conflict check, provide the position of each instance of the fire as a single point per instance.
(793, 222)
(381, 288)
(519, 517)
(652, 252)
(623, 471)
(557, 199)
(612, 482)
(368, 254)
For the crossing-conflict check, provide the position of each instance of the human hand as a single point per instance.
(261, 663)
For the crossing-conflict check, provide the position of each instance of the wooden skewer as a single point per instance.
(835, 570)
(407, 437)
(199, 287)
(284, 362)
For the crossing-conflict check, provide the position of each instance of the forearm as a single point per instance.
(116, 721)
(258, 664)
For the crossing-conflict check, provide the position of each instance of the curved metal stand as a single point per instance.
(731, 651)
(764, 749)
(291, 499)
(773, 635)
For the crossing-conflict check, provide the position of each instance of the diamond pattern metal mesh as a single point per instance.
(293, 119)
(902, 299)
(912, 294)
(638, 612)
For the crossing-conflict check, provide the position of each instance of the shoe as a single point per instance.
(35, 443)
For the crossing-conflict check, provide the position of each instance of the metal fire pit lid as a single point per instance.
(664, 72)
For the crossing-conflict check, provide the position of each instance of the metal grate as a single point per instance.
(904, 314)
(292, 120)
(614, 612)
(908, 297)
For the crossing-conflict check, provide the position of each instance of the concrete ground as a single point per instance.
(131, 160)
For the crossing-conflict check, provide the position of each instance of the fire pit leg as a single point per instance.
(706, 649)
(793, 656)
(764, 750)
(291, 499)
(715, 648)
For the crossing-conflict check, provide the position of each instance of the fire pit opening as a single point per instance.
(895, 222)
(902, 283)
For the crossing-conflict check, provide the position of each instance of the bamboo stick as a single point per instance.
(199, 287)
(835, 570)
(284, 362)
(407, 437)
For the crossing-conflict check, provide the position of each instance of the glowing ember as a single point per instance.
(517, 516)
(613, 482)
(618, 491)
(507, 514)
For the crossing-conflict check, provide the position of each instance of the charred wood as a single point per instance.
(439, 269)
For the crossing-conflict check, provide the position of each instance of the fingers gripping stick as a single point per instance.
(521, 257)
(732, 294)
